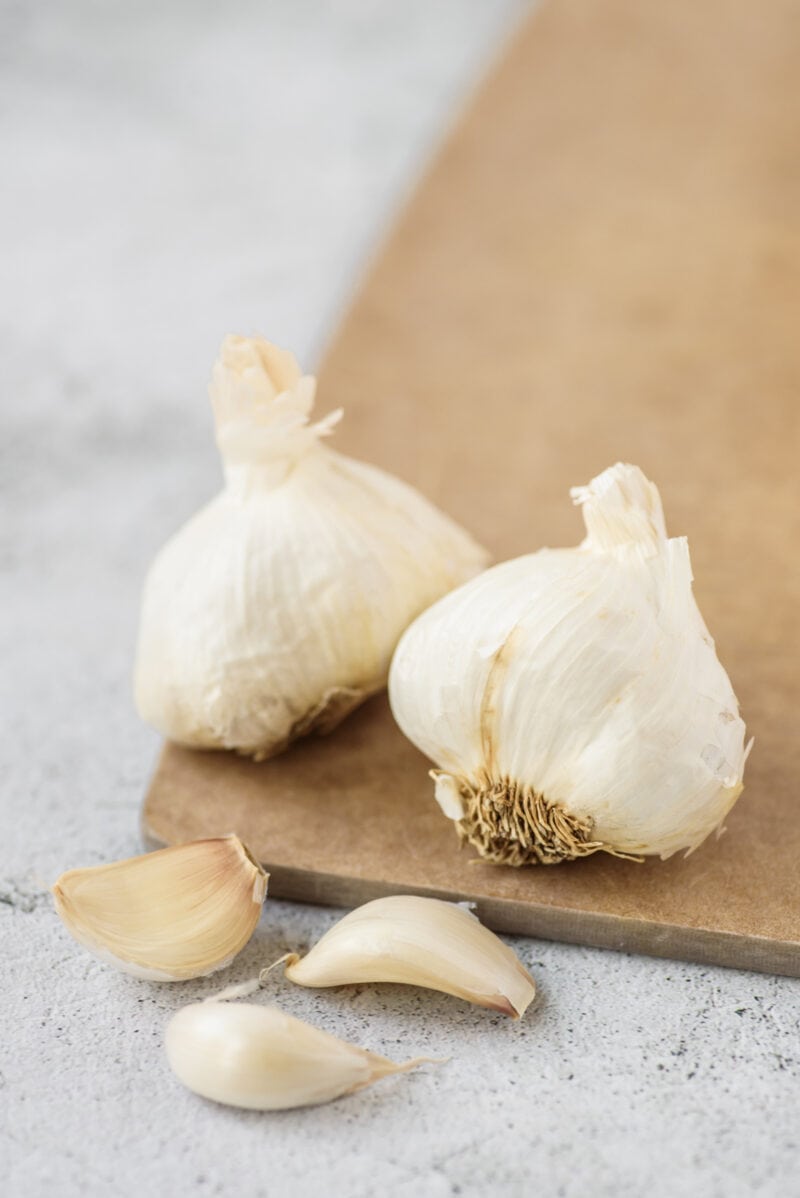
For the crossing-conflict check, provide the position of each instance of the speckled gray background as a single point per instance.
(172, 171)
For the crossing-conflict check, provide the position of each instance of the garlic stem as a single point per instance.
(181, 912)
(420, 942)
(262, 1059)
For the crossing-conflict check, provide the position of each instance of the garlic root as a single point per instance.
(511, 825)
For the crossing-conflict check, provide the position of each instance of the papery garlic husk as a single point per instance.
(572, 699)
(262, 1059)
(421, 942)
(276, 609)
(178, 913)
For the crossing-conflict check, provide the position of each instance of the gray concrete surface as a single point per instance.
(170, 172)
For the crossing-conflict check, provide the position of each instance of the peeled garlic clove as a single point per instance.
(178, 913)
(423, 942)
(572, 699)
(276, 609)
(259, 1058)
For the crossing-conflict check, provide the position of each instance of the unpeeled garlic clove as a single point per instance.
(422, 942)
(262, 1059)
(178, 913)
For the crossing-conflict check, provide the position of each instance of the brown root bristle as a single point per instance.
(513, 825)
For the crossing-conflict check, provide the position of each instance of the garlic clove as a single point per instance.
(572, 699)
(421, 942)
(275, 610)
(262, 1059)
(178, 913)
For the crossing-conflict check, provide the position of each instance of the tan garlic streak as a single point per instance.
(259, 1058)
(178, 913)
(422, 942)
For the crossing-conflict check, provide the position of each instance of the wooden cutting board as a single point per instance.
(603, 264)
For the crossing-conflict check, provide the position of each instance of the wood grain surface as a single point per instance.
(603, 265)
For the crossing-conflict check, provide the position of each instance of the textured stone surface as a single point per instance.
(172, 172)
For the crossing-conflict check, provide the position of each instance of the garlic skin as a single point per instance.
(178, 913)
(258, 1058)
(275, 610)
(420, 942)
(572, 699)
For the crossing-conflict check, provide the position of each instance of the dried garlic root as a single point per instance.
(422, 942)
(178, 913)
(259, 1058)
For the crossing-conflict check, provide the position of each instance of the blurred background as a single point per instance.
(177, 170)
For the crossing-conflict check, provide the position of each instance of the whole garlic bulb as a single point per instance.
(275, 610)
(572, 698)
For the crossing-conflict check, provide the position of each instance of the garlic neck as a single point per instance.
(621, 508)
(262, 404)
(244, 478)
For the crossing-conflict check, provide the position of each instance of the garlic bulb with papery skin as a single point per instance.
(276, 609)
(572, 699)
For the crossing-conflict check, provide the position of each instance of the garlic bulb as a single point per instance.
(181, 912)
(276, 609)
(422, 942)
(257, 1057)
(572, 699)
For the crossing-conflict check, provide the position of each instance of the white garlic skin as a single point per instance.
(275, 610)
(261, 1059)
(585, 675)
